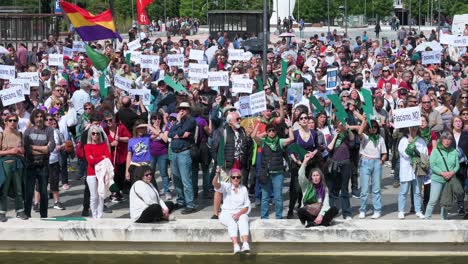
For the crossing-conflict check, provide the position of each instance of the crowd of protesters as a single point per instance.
(328, 160)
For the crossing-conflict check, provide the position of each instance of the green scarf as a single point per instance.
(374, 138)
(309, 196)
(340, 139)
(272, 143)
(411, 150)
(426, 135)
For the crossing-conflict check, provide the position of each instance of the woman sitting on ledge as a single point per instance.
(145, 204)
(235, 209)
(316, 209)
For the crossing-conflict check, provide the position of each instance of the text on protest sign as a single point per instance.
(407, 117)
(55, 59)
(135, 56)
(145, 95)
(7, 72)
(32, 77)
(236, 54)
(67, 52)
(79, 46)
(257, 102)
(430, 57)
(198, 71)
(197, 55)
(22, 83)
(242, 85)
(134, 45)
(244, 106)
(220, 78)
(295, 93)
(460, 41)
(369, 85)
(122, 83)
(175, 60)
(332, 78)
(149, 61)
(12, 96)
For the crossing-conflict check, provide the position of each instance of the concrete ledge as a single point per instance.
(201, 235)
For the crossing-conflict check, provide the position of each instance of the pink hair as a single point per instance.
(233, 171)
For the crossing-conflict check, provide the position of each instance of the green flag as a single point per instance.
(176, 86)
(127, 58)
(282, 78)
(260, 83)
(102, 84)
(368, 106)
(296, 149)
(99, 61)
(313, 100)
(340, 112)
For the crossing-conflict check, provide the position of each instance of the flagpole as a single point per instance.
(111, 7)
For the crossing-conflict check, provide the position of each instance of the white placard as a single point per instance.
(369, 85)
(198, 55)
(67, 52)
(175, 60)
(12, 96)
(149, 61)
(236, 54)
(257, 102)
(145, 95)
(247, 56)
(407, 117)
(135, 56)
(244, 106)
(122, 83)
(7, 72)
(79, 46)
(460, 41)
(220, 78)
(295, 93)
(198, 71)
(55, 59)
(134, 45)
(210, 53)
(242, 85)
(430, 57)
(23, 83)
(33, 77)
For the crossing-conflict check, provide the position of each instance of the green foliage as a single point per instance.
(448, 7)
(314, 11)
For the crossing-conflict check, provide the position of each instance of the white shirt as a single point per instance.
(406, 170)
(78, 99)
(23, 122)
(369, 150)
(142, 195)
(232, 201)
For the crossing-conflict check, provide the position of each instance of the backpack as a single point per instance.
(422, 165)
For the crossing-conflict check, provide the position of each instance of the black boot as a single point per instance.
(329, 215)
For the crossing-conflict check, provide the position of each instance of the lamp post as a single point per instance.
(265, 41)
(438, 26)
(165, 16)
(346, 16)
(419, 15)
(192, 11)
(409, 15)
(328, 14)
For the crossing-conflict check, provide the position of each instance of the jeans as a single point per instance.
(404, 188)
(182, 171)
(274, 182)
(206, 176)
(41, 174)
(371, 170)
(436, 191)
(338, 184)
(162, 162)
(13, 179)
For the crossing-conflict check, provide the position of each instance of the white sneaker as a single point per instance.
(376, 215)
(348, 218)
(168, 196)
(420, 215)
(245, 247)
(236, 249)
(401, 215)
(362, 215)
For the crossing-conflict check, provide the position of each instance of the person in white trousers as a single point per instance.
(235, 209)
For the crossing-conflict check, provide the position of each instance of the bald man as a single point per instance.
(129, 113)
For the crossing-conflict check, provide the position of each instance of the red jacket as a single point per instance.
(94, 154)
(122, 148)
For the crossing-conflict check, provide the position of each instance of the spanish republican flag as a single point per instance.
(90, 27)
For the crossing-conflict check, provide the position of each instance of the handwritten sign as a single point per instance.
(12, 96)
(257, 102)
(135, 56)
(134, 45)
(122, 83)
(295, 93)
(460, 41)
(220, 78)
(244, 106)
(332, 78)
(7, 72)
(369, 85)
(67, 52)
(407, 117)
(175, 60)
(210, 53)
(22, 83)
(79, 46)
(32, 77)
(145, 95)
(55, 59)
(198, 55)
(149, 61)
(430, 57)
(236, 54)
(198, 71)
(242, 85)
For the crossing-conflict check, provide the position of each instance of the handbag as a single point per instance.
(313, 209)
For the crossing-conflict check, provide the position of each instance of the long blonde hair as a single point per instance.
(102, 138)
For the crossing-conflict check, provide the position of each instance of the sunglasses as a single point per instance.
(236, 177)
(59, 90)
(5, 114)
(464, 114)
(49, 119)
(426, 102)
(94, 133)
(148, 174)
(303, 118)
(88, 108)
(464, 97)
(12, 120)
(271, 130)
(108, 120)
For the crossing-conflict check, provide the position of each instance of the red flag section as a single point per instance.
(142, 16)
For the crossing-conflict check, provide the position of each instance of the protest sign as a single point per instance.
(79, 46)
(257, 102)
(332, 78)
(12, 96)
(247, 56)
(244, 106)
(369, 85)
(33, 77)
(430, 57)
(295, 93)
(210, 53)
(149, 61)
(135, 56)
(144, 94)
(67, 52)
(134, 45)
(175, 60)
(198, 71)
(460, 41)
(220, 78)
(242, 85)
(122, 83)
(22, 83)
(7, 72)
(407, 117)
(55, 59)
(198, 55)
(236, 54)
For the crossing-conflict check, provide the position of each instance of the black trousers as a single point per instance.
(86, 196)
(154, 213)
(306, 217)
(295, 192)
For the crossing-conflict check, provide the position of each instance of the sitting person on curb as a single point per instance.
(316, 206)
(235, 208)
(145, 204)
